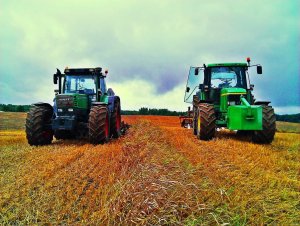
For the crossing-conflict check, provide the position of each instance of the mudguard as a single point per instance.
(98, 103)
(266, 103)
(111, 102)
(43, 104)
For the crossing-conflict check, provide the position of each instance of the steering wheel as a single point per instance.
(226, 82)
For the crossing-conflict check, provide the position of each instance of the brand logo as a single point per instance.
(66, 101)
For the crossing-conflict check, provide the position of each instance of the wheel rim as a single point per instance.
(198, 125)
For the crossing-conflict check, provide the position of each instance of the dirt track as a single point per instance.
(159, 173)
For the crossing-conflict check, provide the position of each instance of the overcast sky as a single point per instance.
(148, 46)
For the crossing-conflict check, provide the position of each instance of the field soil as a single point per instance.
(158, 173)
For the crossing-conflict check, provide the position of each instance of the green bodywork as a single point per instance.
(104, 99)
(80, 101)
(238, 117)
(244, 117)
(225, 92)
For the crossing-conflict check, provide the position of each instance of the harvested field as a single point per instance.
(158, 173)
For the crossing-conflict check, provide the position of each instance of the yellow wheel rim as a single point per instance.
(198, 125)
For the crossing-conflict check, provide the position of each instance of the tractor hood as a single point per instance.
(71, 100)
(232, 91)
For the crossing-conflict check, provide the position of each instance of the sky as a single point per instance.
(148, 46)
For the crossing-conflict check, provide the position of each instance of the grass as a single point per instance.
(288, 127)
(159, 173)
(12, 120)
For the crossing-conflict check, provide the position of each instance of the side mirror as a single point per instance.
(55, 78)
(187, 89)
(201, 86)
(251, 86)
(196, 71)
(259, 69)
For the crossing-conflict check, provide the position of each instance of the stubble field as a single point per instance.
(158, 173)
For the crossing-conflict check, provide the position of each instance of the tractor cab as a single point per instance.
(80, 84)
(88, 81)
(208, 85)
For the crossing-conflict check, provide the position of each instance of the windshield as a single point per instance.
(192, 84)
(79, 84)
(226, 77)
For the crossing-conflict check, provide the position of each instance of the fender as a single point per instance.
(43, 105)
(111, 102)
(99, 103)
(266, 103)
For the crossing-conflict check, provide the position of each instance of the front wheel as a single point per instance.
(38, 125)
(98, 125)
(206, 121)
(266, 135)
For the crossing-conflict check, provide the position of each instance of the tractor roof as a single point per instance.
(83, 71)
(228, 65)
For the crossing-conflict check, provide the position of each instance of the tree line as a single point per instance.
(14, 108)
(153, 111)
(144, 111)
(289, 118)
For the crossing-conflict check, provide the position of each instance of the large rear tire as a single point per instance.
(116, 120)
(98, 125)
(38, 125)
(195, 118)
(266, 135)
(206, 121)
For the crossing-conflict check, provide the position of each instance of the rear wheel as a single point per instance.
(98, 125)
(206, 121)
(266, 135)
(195, 118)
(116, 120)
(38, 125)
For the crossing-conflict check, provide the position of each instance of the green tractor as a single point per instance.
(83, 108)
(222, 97)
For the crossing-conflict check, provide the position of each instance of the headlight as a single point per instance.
(59, 110)
(70, 109)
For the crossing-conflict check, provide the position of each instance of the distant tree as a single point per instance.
(144, 111)
(19, 108)
(14, 108)
(289, 118)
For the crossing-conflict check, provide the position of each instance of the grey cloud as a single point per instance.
(155, 41)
